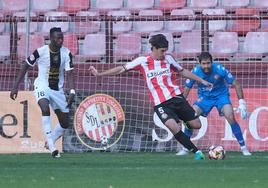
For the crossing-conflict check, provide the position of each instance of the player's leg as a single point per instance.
(42, 98)
(228, 113)
(188, 128)
(59, 104)
(46, 123)
(61, 127)
(170, 112)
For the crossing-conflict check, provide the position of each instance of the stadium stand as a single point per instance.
(35, 41)
(89, 49)
(71, 42)
(245, 25)
(167, 5)
(139, 4)
(149, 26)
(190, 45)
(107, 5)
(230, 47)
(41, 6)
(203, 3)
(72, 6)
(22, 25)
(216, 25)
(235, 4)
(127, 46)
(120, 26)
(180, 26)
(14, 5)
(255, 46)
(55, 15)
(4, 49)
(2, 24)
(86, 27)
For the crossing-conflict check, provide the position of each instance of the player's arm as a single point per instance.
(192, 76)
(133, 65)
(186, 91)
(14, 91)
(69, 67)
(238, 89)
(110, 72)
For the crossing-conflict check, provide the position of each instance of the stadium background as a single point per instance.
(106, 33)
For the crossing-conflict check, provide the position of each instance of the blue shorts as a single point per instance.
(206, 105)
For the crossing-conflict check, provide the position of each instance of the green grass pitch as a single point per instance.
(132, 170)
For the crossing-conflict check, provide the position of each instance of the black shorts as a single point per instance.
(176, 108)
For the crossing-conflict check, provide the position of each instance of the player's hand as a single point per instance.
(208, 84)
(13, 93)
(242, 109)
(70, 100)
(93, 71)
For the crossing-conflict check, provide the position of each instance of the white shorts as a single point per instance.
(57, 99)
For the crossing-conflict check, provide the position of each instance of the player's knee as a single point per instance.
(45, 111)
(64, 123)
(195, 124)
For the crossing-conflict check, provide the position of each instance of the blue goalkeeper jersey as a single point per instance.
(219, 77)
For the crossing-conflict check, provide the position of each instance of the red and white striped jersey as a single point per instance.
(159, 76)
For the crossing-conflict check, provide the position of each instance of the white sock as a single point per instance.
(57, 132)
(46, 122)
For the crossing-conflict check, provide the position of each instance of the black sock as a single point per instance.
(185, 141)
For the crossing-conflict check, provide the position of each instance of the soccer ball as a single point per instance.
(104, 140)
(216, 152)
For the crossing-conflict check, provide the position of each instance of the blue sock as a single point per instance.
(238, 134)
(188, 132)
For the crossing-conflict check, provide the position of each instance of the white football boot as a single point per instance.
(183, 151)
(245, 151)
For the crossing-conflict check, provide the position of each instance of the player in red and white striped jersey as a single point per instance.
(158, 70)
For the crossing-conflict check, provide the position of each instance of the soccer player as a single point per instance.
(158, 70)
(52, 60)
(218, 97)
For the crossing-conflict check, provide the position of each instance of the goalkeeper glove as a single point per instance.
(242, 109)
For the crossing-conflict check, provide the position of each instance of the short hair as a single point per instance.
(159, 41)
(54, 29)
(204, 56)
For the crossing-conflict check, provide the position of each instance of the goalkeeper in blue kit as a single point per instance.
(218, 97)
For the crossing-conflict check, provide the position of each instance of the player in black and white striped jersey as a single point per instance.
(53, 61)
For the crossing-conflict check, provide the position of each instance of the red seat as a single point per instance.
(235, 4)
(120, 26)
(190, 45)
(85, 27)
(168, 36)
(149, 26)
(230, 47)
(215, 25)
(93, 47)
(261, 3)
(109, 4)
(64, 25)
(167, 5)
(71, 42)
(180, 26)
(244, 26)
(72, 6)
(23, 25)
(142, 4)
(5, 46)
(35, 41)
(14, 5)
(127, 46)
(203, 3)
(255, 45)
(43, 6)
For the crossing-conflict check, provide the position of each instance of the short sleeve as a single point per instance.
(31, 60)
(225, 74)
(69, 62)
(173, 62)
(135, 64)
